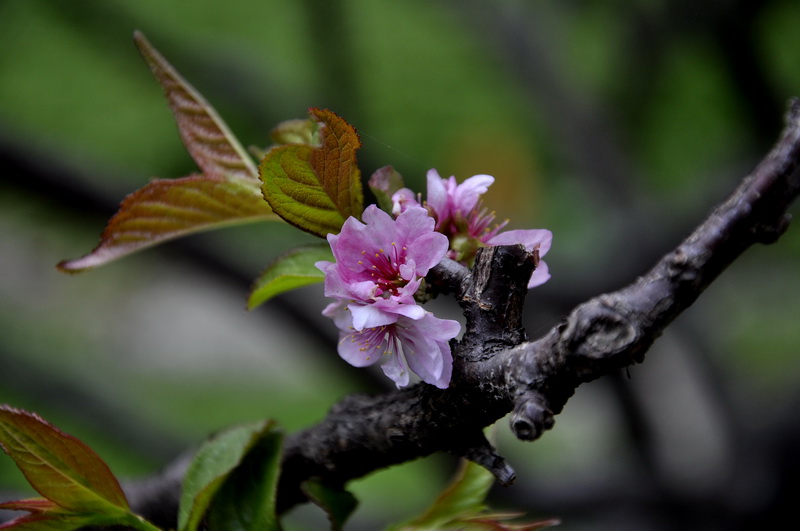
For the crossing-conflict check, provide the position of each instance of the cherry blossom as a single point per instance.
(461, 216)
(400, 344)
(379, 267)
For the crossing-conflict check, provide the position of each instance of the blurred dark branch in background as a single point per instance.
(592, 139)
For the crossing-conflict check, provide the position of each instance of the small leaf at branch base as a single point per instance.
(463, 497)
(461, 506)
(60, 467)
(215, 464)
(339, 504)
(246, 500)
(315, 188)
(166, 209)
(293, 269)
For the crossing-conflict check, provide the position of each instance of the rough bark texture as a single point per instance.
(498, 371)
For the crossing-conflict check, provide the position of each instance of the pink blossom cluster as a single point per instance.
(461, 217)
(378, 269)
(380, 264)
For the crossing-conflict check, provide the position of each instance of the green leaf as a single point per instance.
(60, 467)
(246, 500)
(228, 192)
(215, 464)
(339, 504)
(384, 182)
(316, 188)
(293, 269)
(461, 507)
(463, 497)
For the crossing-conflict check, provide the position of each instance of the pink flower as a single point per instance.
(461, 217)
(451, 203)
(383, 260)
(400, 344)
(378, 269)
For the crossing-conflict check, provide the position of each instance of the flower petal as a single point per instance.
(468, 193)
(370, 316)
(529, 238)
(428, 250)
(361, 349)
(540, 276)
(396, 368)
(426, 349)
(437, 197)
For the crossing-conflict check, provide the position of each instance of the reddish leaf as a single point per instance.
(59, 466)
(228, 192)
(44, 515)
(42, 522)
(205, 135)
(335, 162)
(498, 522)
(32, 505)
(169, 208)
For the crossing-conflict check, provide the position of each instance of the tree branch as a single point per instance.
(497, 370)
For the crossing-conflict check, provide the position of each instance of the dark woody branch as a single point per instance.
(497, 370)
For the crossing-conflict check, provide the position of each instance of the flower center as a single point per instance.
(384, 268)
(378, 341)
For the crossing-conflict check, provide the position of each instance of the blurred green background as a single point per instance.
(617, 125)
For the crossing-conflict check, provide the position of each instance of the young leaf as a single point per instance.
(461, 507)
(339, 504)
(60, 467)
(228, 191)
(44, 522)
(169, 208)
(463, 497)
(215, 464)
(335, 162)
(44, 515)
(299, 131)
(293, 269)
(316, 188)
(208, 140)
(47, 516)
(246, 500)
